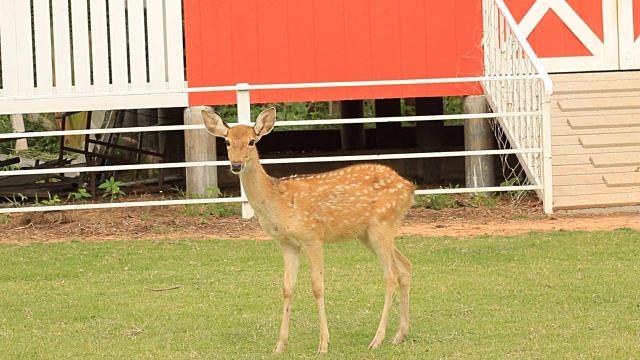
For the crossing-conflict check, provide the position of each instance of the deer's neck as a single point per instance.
(259, 188)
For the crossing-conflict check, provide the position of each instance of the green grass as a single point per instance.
(561, 295)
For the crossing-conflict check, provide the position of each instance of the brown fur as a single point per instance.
(365, 202)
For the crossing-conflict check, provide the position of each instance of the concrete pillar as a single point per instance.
(478, 135)
(199, 145)
(352, 135)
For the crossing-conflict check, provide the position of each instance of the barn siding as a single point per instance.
(595, 119)
(290, 41)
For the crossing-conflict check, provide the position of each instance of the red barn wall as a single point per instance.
(551, 37)
(293, 41)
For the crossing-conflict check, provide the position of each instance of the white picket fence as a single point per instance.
(91, 55)
(531, 143)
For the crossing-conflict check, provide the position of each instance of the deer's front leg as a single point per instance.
(291, 266)
(316, 262)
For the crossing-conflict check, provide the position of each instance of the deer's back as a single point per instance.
(344, 202)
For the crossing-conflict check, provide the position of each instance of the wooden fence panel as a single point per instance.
(137, 45)
(62, 46)
(175, 43)
(99, 45)
(156, 31)
(118, 41)
(9, 52)
(44, 51)
(81, 58)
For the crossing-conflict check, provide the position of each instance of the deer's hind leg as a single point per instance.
(404, 280)
(396, 268)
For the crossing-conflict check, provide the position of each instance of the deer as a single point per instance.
(366, 202)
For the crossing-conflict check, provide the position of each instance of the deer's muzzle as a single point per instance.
(236, 167)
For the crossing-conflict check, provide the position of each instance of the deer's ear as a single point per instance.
(265, 122)
(214, 123)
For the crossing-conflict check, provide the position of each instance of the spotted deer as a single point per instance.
(364, 202)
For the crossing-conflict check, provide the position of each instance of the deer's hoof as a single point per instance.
(374, 344)
(398, 338)
(323, 348)
(279, 349)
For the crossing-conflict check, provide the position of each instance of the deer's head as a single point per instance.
(240, 139)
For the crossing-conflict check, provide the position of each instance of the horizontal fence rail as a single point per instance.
(280, 123)
(313, 159)
(243, 91)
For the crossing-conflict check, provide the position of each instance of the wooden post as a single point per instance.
(18, 126)
(386, 108)
(352, 135)
(199, 146)
(430, 137)
(478, 135)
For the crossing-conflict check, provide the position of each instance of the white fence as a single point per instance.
(122, 54)
(507, 53)
(506, 86)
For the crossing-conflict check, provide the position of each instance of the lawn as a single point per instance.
(565, 295)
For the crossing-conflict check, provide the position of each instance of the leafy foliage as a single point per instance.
(16, 202)
(112, 188)
(48, 145)
(80, 195)
(51, 201)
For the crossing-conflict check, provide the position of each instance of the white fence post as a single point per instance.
(244, 117)
(547, 201)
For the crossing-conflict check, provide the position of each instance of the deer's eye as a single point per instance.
(226, 142)
(252, 142)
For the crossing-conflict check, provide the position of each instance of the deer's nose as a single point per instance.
(236, 167)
